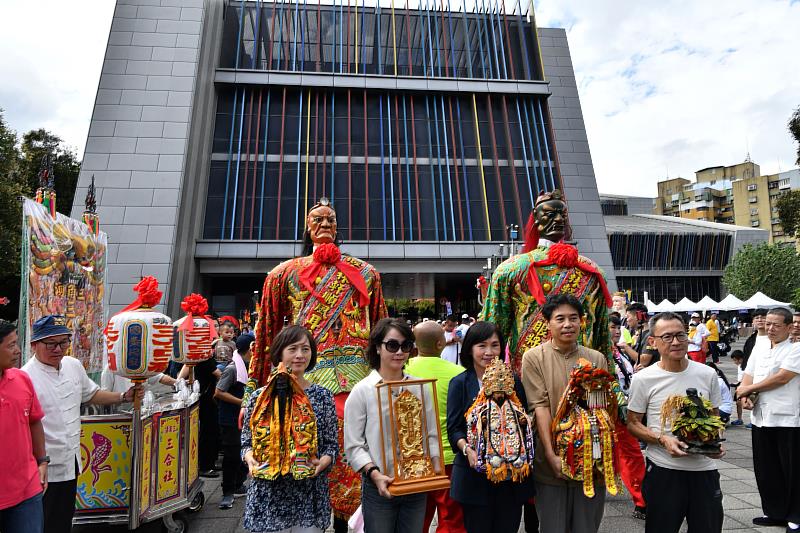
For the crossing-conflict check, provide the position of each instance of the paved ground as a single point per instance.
(741, 500)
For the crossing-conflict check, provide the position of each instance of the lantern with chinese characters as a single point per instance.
(194, 333)
(139, 338)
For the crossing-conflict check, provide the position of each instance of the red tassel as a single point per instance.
(531, 235)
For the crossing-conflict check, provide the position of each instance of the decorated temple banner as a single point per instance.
(147, 460)
(105, 469)
(170, 455)
(194, 442)
(63, 273)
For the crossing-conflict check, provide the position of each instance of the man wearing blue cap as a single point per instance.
(62, 385)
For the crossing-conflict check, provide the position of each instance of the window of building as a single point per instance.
(755, 223)
(752, 187)
(773, 185)
(752, 199)
(776, 220)
(754, 211)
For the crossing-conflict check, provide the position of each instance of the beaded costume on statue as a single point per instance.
(498, 429)
(583, 428)
(337, 298)
(520, 285)
(284, 429)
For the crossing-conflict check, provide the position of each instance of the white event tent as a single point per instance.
(665, 305)
(684, 306)
(761, 301)
(707, 304)
(732, 303)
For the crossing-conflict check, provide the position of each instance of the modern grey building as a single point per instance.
(673, 258)
(217, 124)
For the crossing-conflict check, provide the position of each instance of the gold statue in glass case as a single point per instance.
(411, 441)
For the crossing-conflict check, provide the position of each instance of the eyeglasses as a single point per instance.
(394, 346)
(52, 345)
(669, 337)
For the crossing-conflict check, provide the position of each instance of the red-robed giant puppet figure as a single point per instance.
(548, 266)
(337, 298)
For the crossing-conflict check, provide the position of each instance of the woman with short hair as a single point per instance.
(289, 492)
(488, 507)
(390, 343)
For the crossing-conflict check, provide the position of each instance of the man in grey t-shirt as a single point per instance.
(677, 484)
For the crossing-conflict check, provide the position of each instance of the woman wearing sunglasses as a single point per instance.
(390, 344)
(488, 507)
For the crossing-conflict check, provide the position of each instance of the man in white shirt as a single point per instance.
(461, 330)
(677, 484)
(698, 332)
(452, 346)
(62, 385)
(795, 335)
(774, 374)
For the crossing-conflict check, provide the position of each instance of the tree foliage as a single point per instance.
(794, 129)
(19, 168)
(788, 205)
(66, 167)
(771, 269)
(12, 186)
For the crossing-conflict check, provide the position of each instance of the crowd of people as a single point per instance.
(667, 486)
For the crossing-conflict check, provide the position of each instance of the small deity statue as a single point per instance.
(498, 429)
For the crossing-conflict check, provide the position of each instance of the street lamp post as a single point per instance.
(513, 235)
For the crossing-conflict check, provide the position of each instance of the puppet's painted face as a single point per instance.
(322, 225)
(499, 397)
(551, 220)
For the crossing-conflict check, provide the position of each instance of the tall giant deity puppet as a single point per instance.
(547, 266)
(337, 298)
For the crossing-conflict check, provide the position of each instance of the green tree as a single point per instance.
(764, 267)
(794, 129)
(19, 168)
(788, 205)
(66, 167)
(11, 188)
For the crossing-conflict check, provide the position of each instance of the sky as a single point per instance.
(667, 87)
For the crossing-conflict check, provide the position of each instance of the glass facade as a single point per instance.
(428, 41)
(398, 165)
(670, 251)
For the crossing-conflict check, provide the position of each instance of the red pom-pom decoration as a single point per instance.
(564, 255)
(149, 295)
(327, 254)
(195, 305)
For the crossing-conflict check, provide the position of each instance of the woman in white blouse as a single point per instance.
(391, 342)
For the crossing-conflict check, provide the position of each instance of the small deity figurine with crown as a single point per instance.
(498, 429)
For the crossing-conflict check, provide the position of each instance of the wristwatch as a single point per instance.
(122, 397)
(43, 459)
(464, 450)
(372, 469)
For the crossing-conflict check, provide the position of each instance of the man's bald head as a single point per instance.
(429, 338)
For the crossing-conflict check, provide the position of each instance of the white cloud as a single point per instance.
(51, 54)
(676, 86)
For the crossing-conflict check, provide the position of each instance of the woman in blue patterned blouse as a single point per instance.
(287, 504)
